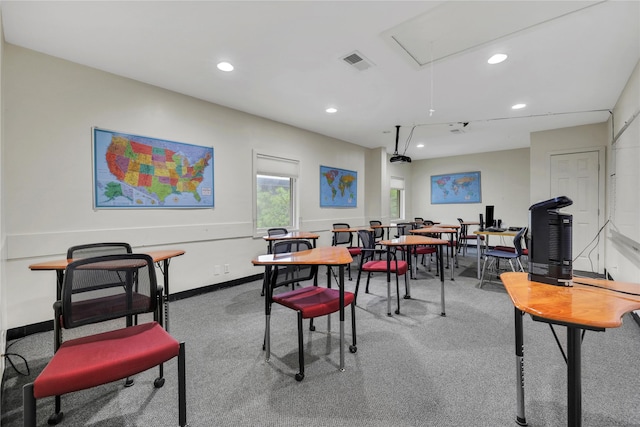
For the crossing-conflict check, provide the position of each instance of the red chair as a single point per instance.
(345, 238)
(309, 302)
(101, 289)
(369, 264)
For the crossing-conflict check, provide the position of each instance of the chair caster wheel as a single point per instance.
(158, 382)
(128, 382)
(353, 348)
(312, 328)
(55, 418)
(397, 311)
(299, 376)
(407, 297)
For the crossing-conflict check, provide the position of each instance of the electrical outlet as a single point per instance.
(216, 270)
(226, 268)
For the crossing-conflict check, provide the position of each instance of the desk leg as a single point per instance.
(267, 314)
(389, 278)
(164, 269)
(341, 272)
(574, 383)
(520, 417)
(60, 281)
(478, 250)
(453, 259)
(442, 312)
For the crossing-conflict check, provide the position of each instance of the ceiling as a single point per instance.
(424, 63)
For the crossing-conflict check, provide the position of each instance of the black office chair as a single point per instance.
(507, 254)
(98, 249)
(99, 290)
(277, 231)
(309, 302)
(369, 264)
(378, 233)
(345, 238)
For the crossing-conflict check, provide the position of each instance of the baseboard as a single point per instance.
(23, 331)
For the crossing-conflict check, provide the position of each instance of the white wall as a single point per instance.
(622, 261)
(505, 184)
(50, 107)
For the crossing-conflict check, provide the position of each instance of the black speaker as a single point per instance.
(481, 223)
(488, 216)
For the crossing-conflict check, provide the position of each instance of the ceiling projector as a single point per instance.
(399, 158)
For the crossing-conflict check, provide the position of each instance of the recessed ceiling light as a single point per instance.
(497, 58)
(420, 145)
(331, 110)
(225, 66)
(518, 106)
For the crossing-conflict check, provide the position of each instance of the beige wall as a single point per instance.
(50, 108)
(622, 260)
(504, 179)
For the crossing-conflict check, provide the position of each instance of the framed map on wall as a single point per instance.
(131, 171)
(338, 188)
(456, 188)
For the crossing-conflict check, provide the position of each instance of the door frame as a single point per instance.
(602, 193)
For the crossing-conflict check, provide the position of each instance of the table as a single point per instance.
(579, 307)
(407, 241)
(486, 233)
(452, 230)
(465, 231)
(326, 255)
(387, 226)
(158, 256)
(292, 235)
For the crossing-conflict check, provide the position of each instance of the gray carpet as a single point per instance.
(412, 369)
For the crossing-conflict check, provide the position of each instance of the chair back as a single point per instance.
(378, 233)
(368, 245)
(517, 241)
(277, 231)
(342, 237)
(98, 289)
(98, 249)
(285, 275)
(403, 228)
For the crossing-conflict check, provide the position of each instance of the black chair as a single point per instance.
(278, 231)
(98, 290)
(378, 233)
(345, 238)
(369, 264)
(464, 237)
(98, 249)
(309, 302)
(507, 254)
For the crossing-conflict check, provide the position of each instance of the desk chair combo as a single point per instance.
(309, 302)
(509, 254)
(96, 290)
(369, 264)
(378, 233)
(345, 238)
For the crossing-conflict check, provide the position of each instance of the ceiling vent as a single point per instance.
(358, 61)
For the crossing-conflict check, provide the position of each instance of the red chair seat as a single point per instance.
(505, 248)
(425, 250)
(99, 359)
(313, 301)
(381, 266)
(355, 251)
(471, 237)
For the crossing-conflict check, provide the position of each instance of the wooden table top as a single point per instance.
(412, 240)
(580, 304)
(293, 235)
(434, 230)
(470, 223)
(61, 264)
(325, 255)
(496, 233)
(351, 229)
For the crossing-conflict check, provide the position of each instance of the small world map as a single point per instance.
(132, 171)
(338, 187)
(456, 188)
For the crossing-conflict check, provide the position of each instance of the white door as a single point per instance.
(576, 175)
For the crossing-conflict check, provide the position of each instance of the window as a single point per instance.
(275, 201)
(396, 198)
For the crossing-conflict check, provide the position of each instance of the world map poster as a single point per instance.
(338, 188)
(132, 171)
(456, 188)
